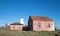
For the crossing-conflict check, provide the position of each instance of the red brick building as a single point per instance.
(41, 23)
(16, 26)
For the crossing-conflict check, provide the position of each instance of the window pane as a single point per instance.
(39, 25)
(49, 25)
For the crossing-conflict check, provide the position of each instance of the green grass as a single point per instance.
(6, 32)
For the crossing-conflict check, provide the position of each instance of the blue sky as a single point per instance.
(12, 10)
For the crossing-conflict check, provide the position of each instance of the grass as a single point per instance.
(6, 32)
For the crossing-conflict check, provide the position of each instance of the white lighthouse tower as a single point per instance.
(22, 20)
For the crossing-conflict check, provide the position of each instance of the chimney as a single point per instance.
(22, 20)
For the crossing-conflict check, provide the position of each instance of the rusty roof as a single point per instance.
(41, 18)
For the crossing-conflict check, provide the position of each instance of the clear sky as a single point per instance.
(12, 10)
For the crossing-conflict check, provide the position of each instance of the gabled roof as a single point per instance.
(41, 18)
(16, 23)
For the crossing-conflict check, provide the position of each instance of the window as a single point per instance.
(13, 27)
(39, 25)
(49, 25)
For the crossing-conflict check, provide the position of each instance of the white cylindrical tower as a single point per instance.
(22, 20)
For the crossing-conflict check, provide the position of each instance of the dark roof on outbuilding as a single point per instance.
(16, 23)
